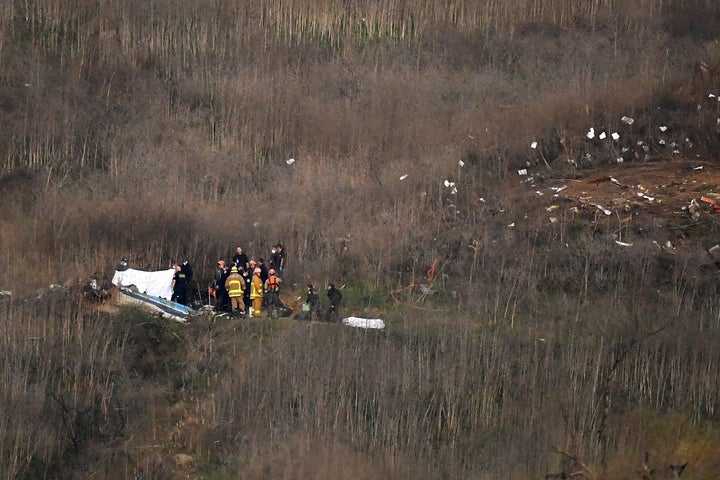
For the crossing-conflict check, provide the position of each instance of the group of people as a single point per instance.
(314, 306)
(244, 286)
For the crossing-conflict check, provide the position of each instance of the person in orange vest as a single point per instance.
(256, 292)
(235, 286)
(272, 290)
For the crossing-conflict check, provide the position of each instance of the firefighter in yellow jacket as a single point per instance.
(256, 292)
(235, 286)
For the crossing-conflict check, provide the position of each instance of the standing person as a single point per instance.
(179, 285)
(313, 302)
(247, 277)
(334, 295)
(222, 299)
(275, 258)
(272, 290)
(235, 286)
(281, 260)
(263, 270)
(256, 293)
(240, 259)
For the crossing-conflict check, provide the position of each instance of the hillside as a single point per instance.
(523, 190)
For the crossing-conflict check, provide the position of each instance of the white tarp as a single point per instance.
(374, 323)
(157, 284)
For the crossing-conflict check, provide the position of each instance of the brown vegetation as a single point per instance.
(162, 130)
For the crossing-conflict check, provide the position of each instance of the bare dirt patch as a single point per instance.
(662, 201)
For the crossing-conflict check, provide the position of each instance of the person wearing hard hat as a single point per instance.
(235, 285)
(256, 292)
(272, 290)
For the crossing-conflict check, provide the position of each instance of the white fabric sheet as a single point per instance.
(372, 323)
(157, 284)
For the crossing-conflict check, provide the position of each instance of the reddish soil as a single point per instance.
(672, 200)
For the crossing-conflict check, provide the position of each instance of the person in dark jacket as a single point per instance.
(263, 270)
(240, 259)
(313, 301)
(281, 261)
(222, 299)
(275, 258)
(334, 295)
(247, 277)
(179, 285)
(187, 269)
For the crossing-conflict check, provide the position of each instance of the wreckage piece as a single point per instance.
(152, 291)
(713, 203)
(165, 308)
(694, 209)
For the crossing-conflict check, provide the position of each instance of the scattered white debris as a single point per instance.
(558, 189)
(646, 197)
(290, 161)
(403, 177)
(663, 128)
(539, 192)
(449, 184)
(602, 136)
(511, 224)
(553, 219)
(552, 207)
(461, 163)
(661, 142)
(522, 172)
(533, 145)
(698, 168)
(627, 120)
(623, 244)
(615, 136)
(619, 160)
(591, 133)
(615, 181)
(482, 199)
(5, 293)
(453, 192)
(669, 245)
(369, 323)
(603, 209)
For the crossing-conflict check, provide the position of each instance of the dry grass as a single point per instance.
(162, 131)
